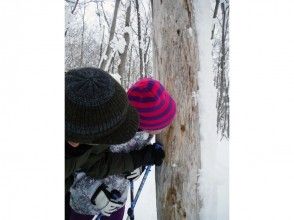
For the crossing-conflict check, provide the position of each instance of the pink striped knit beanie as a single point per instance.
(154, 104)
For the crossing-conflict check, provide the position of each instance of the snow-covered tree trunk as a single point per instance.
(175, 65)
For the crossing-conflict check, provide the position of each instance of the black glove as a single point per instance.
(149, 155)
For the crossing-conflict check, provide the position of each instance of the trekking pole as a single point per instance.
(132, 190)
(131, 213)
(133, 203)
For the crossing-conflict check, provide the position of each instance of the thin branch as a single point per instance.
(111, 33)
(214, 16)
(216, 8)
(104, 14)
(74, 2)
(70, 1)
(73, 10)
(65, 33)
(212, 32)
(133, 30)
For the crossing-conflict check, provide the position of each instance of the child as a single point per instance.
(156, 111)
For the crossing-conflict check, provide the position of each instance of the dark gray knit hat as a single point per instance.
(97, 109)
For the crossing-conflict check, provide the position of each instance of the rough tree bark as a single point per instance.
(176, 64)
(123, 56)
(111, 35)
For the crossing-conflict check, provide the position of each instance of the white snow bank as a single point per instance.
(214, 184)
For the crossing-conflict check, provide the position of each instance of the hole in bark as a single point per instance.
(183, 128)
(179, 32)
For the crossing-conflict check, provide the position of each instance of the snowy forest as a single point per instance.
(185, 45)
(112, 35)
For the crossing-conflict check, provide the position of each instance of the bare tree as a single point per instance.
(101, 44)
(130, 66)
(106, 57)
(221, 54)
(123, 56)
(82, 38)
(146, 40)
(139, 37)
(214, 17)
(103, 11)
(101, 27)
(98, 43)
(145, 55)
(176, 64)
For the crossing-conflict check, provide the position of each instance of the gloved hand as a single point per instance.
(149, 155)
(135, 174)
(105, 200)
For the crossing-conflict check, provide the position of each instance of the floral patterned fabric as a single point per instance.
(84, 186)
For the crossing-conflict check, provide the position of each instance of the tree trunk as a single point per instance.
(101, 45)
(112, 64)
(82, 41)
(111, 35)
(130, 66)
(145, 57)
(123, 56)
(139, 38)
(176, 64)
